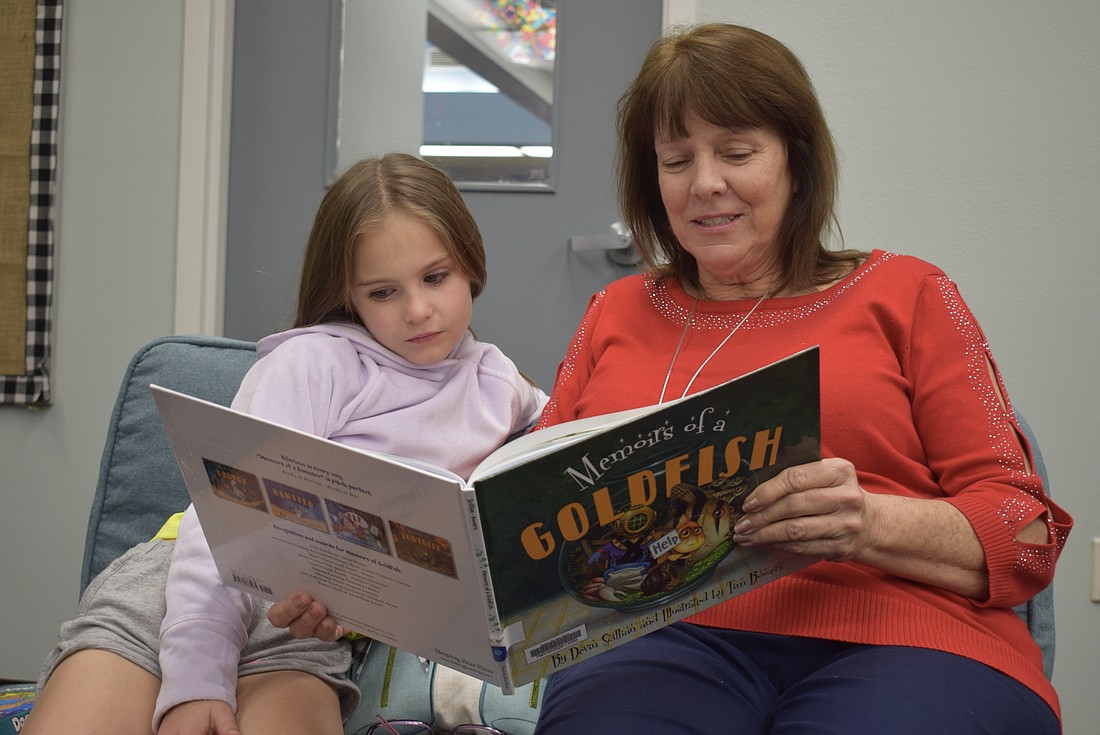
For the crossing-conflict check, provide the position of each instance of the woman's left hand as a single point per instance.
(815, 509)
(819, 509)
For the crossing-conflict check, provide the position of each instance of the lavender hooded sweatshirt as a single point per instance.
(335, 381)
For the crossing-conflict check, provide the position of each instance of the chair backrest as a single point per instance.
(139, 481)
(1038, 612)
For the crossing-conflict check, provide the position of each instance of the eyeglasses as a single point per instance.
(416, 727)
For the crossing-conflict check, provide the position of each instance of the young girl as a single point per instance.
(380, 357)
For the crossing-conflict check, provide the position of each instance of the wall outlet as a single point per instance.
(1096, 570)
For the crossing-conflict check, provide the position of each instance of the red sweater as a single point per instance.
(906, 396)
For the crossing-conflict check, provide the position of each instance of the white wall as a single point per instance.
(967, 133)
(116, 235)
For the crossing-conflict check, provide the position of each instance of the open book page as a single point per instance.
(555, 438)
(627, 530)
(552, 439)
(383, 542)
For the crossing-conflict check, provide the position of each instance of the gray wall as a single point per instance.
(967, 138)
(115, 275)
(262, 272)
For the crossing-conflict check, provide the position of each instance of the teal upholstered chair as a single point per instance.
(139, 482)
(140, 486)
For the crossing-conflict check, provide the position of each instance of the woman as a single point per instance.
(926, 508)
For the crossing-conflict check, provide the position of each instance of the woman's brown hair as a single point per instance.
(736, 78)
(360, 199)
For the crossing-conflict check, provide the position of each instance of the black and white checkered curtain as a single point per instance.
(33, 388)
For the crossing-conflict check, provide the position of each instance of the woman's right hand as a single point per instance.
(304, 617)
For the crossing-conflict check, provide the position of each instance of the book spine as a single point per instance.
(496, 633)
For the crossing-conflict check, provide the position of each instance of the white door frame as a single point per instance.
(202, 207)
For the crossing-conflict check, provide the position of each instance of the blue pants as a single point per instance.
(689, 680)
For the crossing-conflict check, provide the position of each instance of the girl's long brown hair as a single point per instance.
(357, 201)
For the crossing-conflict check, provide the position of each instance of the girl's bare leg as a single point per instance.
(95, 692)
(287, 702)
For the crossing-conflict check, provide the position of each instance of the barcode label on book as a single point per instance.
(555, 644)
(251, 583)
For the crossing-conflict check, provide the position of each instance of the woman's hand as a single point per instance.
(305, 617)
(815, 509)
(819, 509)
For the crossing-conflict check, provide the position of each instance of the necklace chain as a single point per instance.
(683, 336)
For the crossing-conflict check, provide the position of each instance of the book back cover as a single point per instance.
(384, 543)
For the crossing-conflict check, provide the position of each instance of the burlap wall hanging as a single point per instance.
(30, 76)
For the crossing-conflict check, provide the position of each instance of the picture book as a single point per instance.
(564, 543)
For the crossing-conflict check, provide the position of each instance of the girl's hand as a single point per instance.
(305, 617)
(201, 717)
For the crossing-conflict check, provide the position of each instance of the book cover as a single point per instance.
(629, 530)
(565, 543)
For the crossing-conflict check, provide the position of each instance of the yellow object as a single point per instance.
(170, 530)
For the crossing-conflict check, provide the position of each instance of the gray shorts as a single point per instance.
(122, 609)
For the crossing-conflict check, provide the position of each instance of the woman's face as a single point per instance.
(725, 192)
(408, 291)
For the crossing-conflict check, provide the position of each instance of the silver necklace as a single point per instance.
(683, 336)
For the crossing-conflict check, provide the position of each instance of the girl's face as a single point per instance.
(725, 192)
(407, 290)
